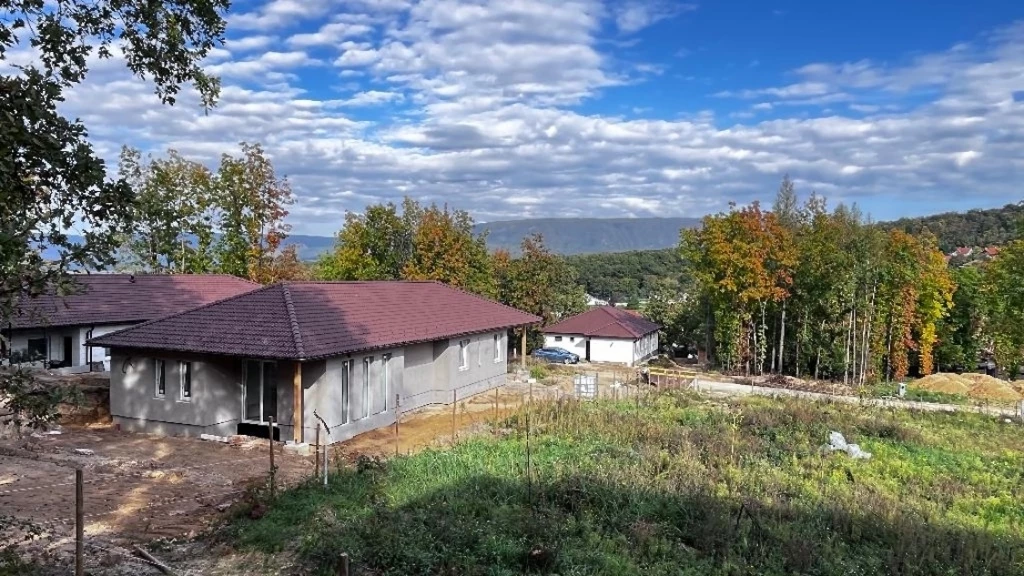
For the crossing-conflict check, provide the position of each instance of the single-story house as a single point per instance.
(52, 329)
(304, 352)
(605, 334)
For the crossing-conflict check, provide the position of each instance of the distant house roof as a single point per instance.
(963, 251)
(992, 251)
(309, 320)
(125, 298)
(604, 321)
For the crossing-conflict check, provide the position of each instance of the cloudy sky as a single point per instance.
(525, 108)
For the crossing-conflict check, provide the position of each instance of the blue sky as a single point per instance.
(528, 108)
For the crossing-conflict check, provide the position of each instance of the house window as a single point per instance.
(572, 339)
(365, 405)
(558, 338)
(160, 377)
(185, 375)
(346, 378)
(36, 348)
(385, 385)
(497, 348)
(464, 355)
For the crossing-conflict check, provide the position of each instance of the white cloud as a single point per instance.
(330, 34)
(635, 15)
(246, 43)
(489, 118)
(373, 98)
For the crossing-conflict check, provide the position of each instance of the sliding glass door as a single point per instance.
(259, 391)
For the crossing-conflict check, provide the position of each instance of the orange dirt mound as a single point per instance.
(945, 383)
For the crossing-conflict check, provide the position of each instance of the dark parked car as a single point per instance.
(556, 355)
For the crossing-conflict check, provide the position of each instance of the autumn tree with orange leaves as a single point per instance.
(817, 292)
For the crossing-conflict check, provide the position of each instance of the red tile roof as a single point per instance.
(308, 320)
(124, 298)
(606, 322)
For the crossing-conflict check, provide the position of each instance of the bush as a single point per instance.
(538, 372)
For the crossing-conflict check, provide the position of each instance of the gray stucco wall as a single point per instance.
(420, 374)
(215, 406)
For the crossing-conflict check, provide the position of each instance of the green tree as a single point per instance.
(1004, 302)
(539, 282)
(173, 213)
(51, 180)
(252, 203)
(960, 334)
(374, 245)
(445, 248)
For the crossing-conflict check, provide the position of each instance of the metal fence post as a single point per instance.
(79, 522)
(270, 431)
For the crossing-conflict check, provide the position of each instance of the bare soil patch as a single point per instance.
(138, 487)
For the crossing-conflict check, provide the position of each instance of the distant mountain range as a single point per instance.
(571, 236)
(589, 235)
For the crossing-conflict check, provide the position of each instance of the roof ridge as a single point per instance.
(290, 307)
(183, 312)
(484, 298)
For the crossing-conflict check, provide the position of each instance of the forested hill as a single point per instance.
(589, 235)
(974, 228)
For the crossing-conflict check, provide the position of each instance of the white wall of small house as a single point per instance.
(572, 342)
(617, 350)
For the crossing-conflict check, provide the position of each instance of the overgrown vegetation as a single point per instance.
(674, 484)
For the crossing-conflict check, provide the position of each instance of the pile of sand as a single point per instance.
(988, 388)
(945, 383)
(976, 386)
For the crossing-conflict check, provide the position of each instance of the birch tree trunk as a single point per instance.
(782, 340)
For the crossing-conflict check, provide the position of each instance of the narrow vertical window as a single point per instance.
(367, 363)
(346, 372)
(185, 373)
(160, 377)
(464, 355)
(385, 385)
(497, 348)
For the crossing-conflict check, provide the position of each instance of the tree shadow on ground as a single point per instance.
(585, 525)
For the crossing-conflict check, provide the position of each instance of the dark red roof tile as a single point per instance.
(124, 298)
(306, 320)
(606, 322)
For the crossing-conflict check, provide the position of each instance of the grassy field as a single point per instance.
(675, 485)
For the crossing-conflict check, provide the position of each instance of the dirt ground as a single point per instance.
(143, 488)
(137, 487)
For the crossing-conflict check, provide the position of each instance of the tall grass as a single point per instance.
(675, 484)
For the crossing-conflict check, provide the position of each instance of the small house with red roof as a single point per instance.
(300, 355)
(52, 329)
(605, 334)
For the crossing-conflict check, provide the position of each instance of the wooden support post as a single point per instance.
(79, 523)
(496, 410)
(522, 356)
(297, 403)
(270, 431)
(343, 566)
(398, 418)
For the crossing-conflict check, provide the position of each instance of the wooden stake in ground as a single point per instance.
(496, 410)
(79, 522)
(343, 566)
(455, 404)
(152, 560)
(270, 431)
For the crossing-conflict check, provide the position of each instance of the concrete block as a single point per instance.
(298, 449)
